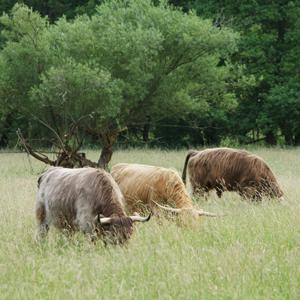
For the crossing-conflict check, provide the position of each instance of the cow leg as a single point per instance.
(193, 188)
(198, 192)
(42, 226)
(250, 193)
(219, 189)
(256, 197)
(219, 193)
(86, 224)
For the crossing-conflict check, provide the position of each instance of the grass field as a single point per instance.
(252, 253)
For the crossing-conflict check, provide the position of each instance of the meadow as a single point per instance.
(251, 253)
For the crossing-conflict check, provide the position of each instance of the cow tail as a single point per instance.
(190, 153)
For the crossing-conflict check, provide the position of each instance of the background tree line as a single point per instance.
(76, 73)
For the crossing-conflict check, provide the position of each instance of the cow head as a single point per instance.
(117, 230)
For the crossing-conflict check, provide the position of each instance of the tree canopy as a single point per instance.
(269, 48)
(128, 62)
(186, 73)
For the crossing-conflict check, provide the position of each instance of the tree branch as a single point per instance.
(38, 155)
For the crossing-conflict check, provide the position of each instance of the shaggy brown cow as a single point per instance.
(145, 186)
(232, 170)
(85, 199)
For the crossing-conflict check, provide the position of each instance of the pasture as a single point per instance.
(252, 253)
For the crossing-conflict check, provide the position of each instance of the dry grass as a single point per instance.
(253, 253)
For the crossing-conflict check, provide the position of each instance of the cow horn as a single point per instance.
(176, 210)
(104, 220)
(138, 218)
(179, 210)
(206, 213)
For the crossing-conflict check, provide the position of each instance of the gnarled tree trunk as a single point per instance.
(69, 156)
(146, 129)
(288, 134)
(297, 137)
(108, 139)
(270, 138)
(65, 157)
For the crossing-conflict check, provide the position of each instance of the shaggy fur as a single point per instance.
(232, 170)
(140, 184)
(73, 198)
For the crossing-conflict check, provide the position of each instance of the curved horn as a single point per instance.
(139, 218)
(178, 210)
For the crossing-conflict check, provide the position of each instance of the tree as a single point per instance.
(54, 9)
(269, 47)
(283, 101)
(98, 75)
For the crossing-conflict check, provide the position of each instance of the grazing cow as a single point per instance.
(232, 170)
(85, 199)
(145, 186)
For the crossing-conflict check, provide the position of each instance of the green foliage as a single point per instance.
(194, 79)
(73, 92)
(129, 61)
(54, 9)
(269, 48)
(24, 57)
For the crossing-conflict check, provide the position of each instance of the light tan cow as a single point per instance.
(145, 186)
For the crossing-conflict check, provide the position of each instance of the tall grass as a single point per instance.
(252, 253)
